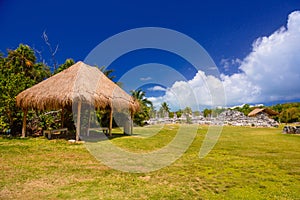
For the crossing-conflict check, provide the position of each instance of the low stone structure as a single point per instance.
(228, 117)
(236, 118)
(291, 130)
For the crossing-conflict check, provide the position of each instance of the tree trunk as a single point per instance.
(24, 123)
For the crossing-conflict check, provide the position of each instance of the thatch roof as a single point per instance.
(265, 110)
(80, 82)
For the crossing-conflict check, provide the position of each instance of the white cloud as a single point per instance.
(156, 101)
(229, 63)
(146, 78)
(157, 88)
(201, 91)
(269, 73)
(273, 66)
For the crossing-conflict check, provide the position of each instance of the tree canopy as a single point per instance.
(289, 112)
(18, 71)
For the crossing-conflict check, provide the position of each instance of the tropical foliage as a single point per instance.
(107, 72)
(246, 109)
(178, 113)
(164, 110)
(207, 112)
(18, 71)
(145, 107)
(68, 63)
(289, 112)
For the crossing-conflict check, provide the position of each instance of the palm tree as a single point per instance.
(164, 109)
(68, 63)
(139, 95)
(145, 107)
(108, 73)
(22, 58)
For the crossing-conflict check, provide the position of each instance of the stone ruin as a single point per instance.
(236, 118)
(227, 117)
(291, 129)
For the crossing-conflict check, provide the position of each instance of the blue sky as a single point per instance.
(227, 30)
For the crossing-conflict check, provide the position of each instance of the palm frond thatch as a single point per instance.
(80, 82)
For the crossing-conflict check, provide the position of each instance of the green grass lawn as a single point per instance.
(246, 163)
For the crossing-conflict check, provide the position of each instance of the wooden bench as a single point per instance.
(103, 129)
(48, 133)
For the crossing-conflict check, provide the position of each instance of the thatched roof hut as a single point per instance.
(268, 111)
(79, 83)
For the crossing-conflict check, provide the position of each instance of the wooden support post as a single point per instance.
(131, 123)
(110, 121)
(62, 117)
(89, 120)
(24, 123)
(78, 120)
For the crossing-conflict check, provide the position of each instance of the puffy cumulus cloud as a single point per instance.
(201, 91)
(157, 88)
(229, 63)
(273, 66)
(270, 72)
(239, 89)
(156, 101)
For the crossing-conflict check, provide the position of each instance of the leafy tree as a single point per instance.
(171, 114)
(179, 113)
(145, 104)
(18, 71)
(289, 112)
(187, 111)
(164, 109)
(68, 63)
(290, 115)
(197, 113)
(207, 112)
(217, 111)
(278, 108)
(246, 109)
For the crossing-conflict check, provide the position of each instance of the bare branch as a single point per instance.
(39, 54)
(51, 112)
(53, 53)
